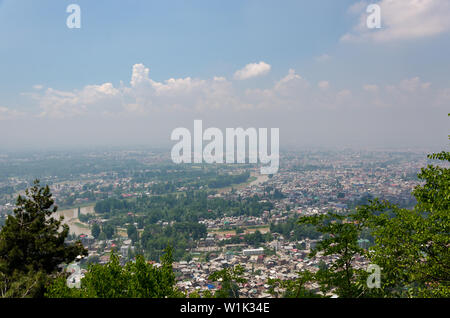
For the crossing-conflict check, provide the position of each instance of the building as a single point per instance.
(256, 251)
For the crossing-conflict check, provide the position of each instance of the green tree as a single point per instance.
(132, 233)
(95, 230)
(134, 280)
(340, 239)
(108, 229)
(229, 278)
(32, 244)
(102, 236)
(292, 288)
(21, 284)
(411, 246)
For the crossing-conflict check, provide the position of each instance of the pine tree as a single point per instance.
(32, 243)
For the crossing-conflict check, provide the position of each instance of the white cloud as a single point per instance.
(291, 81)
(131, 110)
(370, 88)
(142, 96)
(252, 70)
(323, 58)
(192, 96)
(60, 104)
(402, 20)
(413, 84)
(358, 7)
(344, 94)
(7, 113)
(92, 93)
(139, 75)
(323, 84)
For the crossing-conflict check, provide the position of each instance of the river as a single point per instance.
(71, 219)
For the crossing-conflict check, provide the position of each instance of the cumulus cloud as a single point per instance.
(252, 70)
(291, 96)
(144, 107)
(139, 75)
(142, 96)
(401, 20)
(291, 82)
(60, 104)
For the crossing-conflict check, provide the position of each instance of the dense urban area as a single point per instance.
(214, 216)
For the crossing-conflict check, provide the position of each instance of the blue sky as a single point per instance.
(206, 39)
(175, 38)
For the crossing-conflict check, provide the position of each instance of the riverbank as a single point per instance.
(71, 219)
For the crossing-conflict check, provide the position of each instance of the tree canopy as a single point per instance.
(32, 243)
(411, 246)
(137, 279)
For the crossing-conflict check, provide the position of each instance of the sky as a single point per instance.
(136, 70)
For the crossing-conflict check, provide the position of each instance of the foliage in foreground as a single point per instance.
(411, 246)
(32, 245)
(137, 279)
